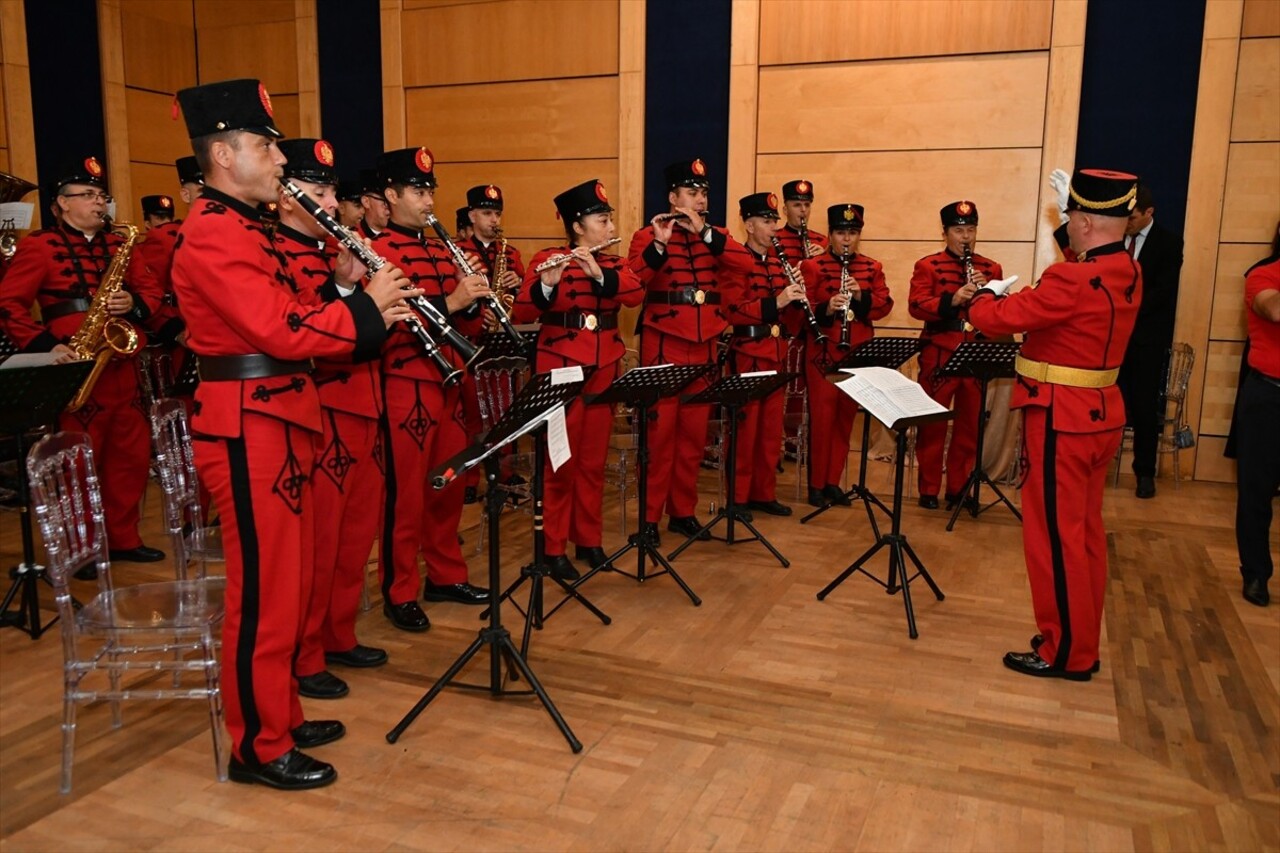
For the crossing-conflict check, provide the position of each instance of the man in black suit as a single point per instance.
(1142, 376)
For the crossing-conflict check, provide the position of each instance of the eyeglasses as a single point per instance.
(91, 195)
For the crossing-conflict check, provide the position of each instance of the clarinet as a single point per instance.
(794, 275)
(847, 315)
(464, 267)
(422, 307)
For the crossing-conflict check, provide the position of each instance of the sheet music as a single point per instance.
(760, 373)
(558, 451)
(887, 394)
(30, 359)
(563, 375)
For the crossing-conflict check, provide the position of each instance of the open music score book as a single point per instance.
(888, 395)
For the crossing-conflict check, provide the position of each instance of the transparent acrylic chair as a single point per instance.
(498, 381)
(143, 629)
(180, 486)
(795, 414)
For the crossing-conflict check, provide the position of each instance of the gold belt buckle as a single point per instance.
(775, 330)
(699, 297)
(589, 322)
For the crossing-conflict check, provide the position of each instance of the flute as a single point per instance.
(562, 259)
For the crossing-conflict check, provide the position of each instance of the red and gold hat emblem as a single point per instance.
(423, 160)
(600, 193)
(493, 193)
(93, 167)
(165, 201)
(803, 187)
(772, 201)
(266, 100)
(964, 208)
(698, 168)
(324, 152)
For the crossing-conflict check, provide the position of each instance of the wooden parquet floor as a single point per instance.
(762, 720)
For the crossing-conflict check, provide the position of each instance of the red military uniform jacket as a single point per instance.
(240, 298)
(344, 385)
(934, 282)
(1080, 315)
(489, 256)
(577, 294)
(754, 313)
(60, 270)
(363, 229)
(156, 254)
(794, 247)
(428, 264)
(674, 278)
(822, 279)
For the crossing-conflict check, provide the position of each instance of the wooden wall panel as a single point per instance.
(800, 31)
(905, 104)
(1252, 192)
(508, 40)
(1211, 465)
(287, 114)
(154, 136)
(266, 50)
(1228, 322)
(1261, 18)
(212, 14)
(903, 191)
(159, 52)
(153, 179)
(1256, 116)
(1222, 371)
(569, 118)
(527, 188)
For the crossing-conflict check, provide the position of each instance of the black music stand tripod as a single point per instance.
(32, 398)
(642, 388)
(527, 413)
(984, 361)
(732, 393)
(896, 541)
(877, 352)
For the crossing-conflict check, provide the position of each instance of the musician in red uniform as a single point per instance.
(347, 485)
(257, 425)
(840, 280)
(59, 268)
(156, 253)
(350, 208)
(374, 202)
(758, 342)
(690, 270)
(797, 239)
(577, 303)
(941, 287)
(462, 225)
(1077, 323)
(423, 423)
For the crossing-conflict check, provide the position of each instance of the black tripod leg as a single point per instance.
(571, 592)
(898, 556)
(442, 683)
(924, 573)
(658, 559)
(786, 564)
(541, 692)
(1001, 495)
(960, 502)
(706, 528)
(508, 594)
(853, 567)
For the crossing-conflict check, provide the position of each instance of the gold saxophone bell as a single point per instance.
(12, 189)
(101, 337)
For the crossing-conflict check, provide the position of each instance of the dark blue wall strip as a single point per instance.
(686, 102)
(66, 89)
(350, 37)
(1138, 95)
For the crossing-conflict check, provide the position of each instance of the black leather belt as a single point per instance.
(581, 320)
(684, 296)
(756, 333)
(62, 309)
(224, 367)
(1270, 380)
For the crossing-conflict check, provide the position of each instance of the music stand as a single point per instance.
(642, 388)
(528, 413)
(732, 393)
(31, 398)
(876, 352)
(984, 361)
(896, 541)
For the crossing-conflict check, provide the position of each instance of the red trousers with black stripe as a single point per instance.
(831, 414)
(261, 487)
(423, 427)
(964, 428)
(759, 439)
(678, 432)
(348, 511)
(1063, 540)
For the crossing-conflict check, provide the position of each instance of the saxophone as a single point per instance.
(101, 336)
(499, 273)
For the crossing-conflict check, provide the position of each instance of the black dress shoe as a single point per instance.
(293, 771)
(741, 513)
(1038, 640)
(459, 593)
(1030, 663)
(318, 732)
(970, 504)
(594, 557)
(816, 498)
(770, 507)
(1146, 487)
(561, 568)
(1255, 592)
(928, 501)
(141, 554)
(686, 526)
(407, 616)
(322, 685)
(836, 495)
(358, 656)
(87, 573)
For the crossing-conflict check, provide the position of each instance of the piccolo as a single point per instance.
(670, 217)
(562, 259)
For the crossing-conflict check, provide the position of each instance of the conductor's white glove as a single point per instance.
(1060, 181)
(1000, 286)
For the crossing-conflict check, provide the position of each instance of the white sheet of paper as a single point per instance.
(564, 375)
(558, 450)
(28, 359)
(18, 213)
(761, 373)
(888, 395)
